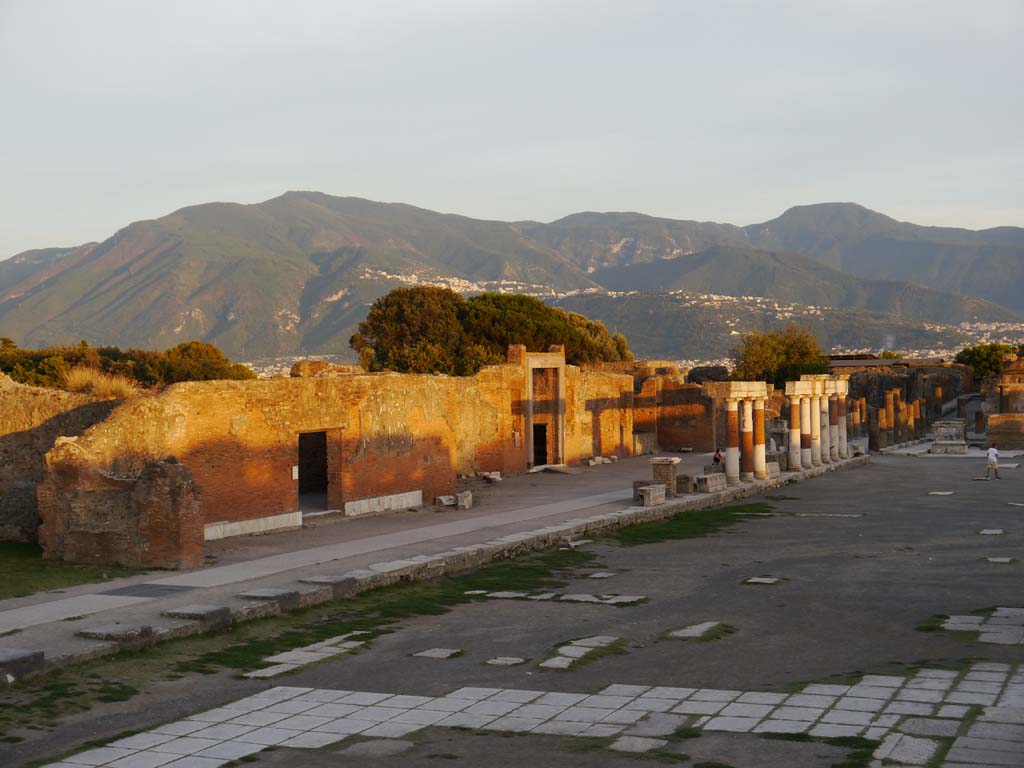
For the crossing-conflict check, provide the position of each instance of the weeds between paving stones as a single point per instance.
(40, 704)
(23, 571)
(688, 525)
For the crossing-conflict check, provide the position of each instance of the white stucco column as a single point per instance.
(806, 460)
(732, 442)
(747, 441)
(815, 430)
(794, 434)
(826, 442)
(760, 463)
(833, 427)
(844, 448)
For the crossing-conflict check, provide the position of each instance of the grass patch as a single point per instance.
(933, 623)
(716, 633)
(41, 704)
(23, 571)
(779, 497)
(859, 749)
(687, 525)
(618, 648)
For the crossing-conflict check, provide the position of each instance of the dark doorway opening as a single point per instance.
(313, 471)
(540, 444)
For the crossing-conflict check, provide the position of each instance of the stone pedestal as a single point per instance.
(710, 483)
(663, 469)
(949, 437)
(652, 495)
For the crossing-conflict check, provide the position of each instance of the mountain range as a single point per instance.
(296, 273)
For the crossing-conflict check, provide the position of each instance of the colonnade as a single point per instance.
(745, 444)
(817, 420)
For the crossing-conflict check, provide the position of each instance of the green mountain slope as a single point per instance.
(987, 263)
(736, 271)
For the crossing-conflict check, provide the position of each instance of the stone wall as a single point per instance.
(937, 383)
(1006, 430)
(385, 435)
(685, 416)
(31, 419)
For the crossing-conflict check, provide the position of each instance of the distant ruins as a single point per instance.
(1003, 407)
(148, 480)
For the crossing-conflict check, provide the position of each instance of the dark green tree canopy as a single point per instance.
(190, 361)
(985, 359)
(779, 356)
(434, 330)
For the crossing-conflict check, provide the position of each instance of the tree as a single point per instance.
(199, 361)
(985, 359)
(778, 356)
(434, 330)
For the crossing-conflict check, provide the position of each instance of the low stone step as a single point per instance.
(118, 633)
(210, 615)
(18, 663)
(287, 599)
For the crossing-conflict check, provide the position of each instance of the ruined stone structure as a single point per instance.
(937, 383)
(31, 418)
(1004, 407)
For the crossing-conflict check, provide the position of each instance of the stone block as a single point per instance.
(652, 495)
(464, 500)
(118, 633)
(286, 599)
(637, 485)
(343, 585)
(774, 470)
(18, 663)
(710, 483)
(209, 615)
(684, 485)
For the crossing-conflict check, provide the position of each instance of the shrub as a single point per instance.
(98, 383)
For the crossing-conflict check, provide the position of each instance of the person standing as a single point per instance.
(993, 462)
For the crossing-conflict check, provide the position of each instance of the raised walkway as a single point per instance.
(265, 575)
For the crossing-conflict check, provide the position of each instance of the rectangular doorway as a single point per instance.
(540, 444)
(313, 471)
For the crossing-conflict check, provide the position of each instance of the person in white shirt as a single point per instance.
(993, 462)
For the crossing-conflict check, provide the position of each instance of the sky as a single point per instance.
(112, 111)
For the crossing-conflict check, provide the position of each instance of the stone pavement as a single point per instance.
(93, 620)
(982, 708)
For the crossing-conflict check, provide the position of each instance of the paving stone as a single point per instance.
(911, 750)
(313, 740)
(1003, 714)
(562, 727)
(694, 630)
(496, 708)
(505, 661)
(978, 686)
(854, 704)
(832, 730)
(871, 692)
(543, 711)
(783, 726)
(220, 732)
(826, 690)
(658, 724)
(810, 700)
(515, 724)
(304, 722)
(920, 695)
(797, 713)
(566, 699)
(195, 761)
(322, 695)
(985, 757)
(142, 740)
(625, 716)
(1004, 731)
(601, 575)
(941, 674)
(991, 531)
(419, 717)
(625, 690)
(657, 704)
(144, 759)
(439, 653)
(846, 717)
(558, 662)
(258, 718)
(583, 714)
(334, 710)
(508, 595)
(579, 598)
(218, 715)
(957, 711)
(713, 694)
(573, 651)
(699, 707)
(596, 641)
(345, 725)
(300, 658)
(746, 710)
(930, 684)
(755, 697)
(204, 612)
(274, 671)
(463, 720)
(762, 580)
(185, 727)
(102, 755)
(1002, 637)
(637, 744)
(606, 702)
(374, 713)
(292, 707)
(666, 692)
(988, 677)
(269, 736)
(885, 681)
(602, 730)
(920, 726)
(909, 708)
(735, 724)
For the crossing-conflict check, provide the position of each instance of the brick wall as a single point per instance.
(685, 417)
(1006, 430)
(31, 418)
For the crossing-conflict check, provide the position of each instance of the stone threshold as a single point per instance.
(318, 590)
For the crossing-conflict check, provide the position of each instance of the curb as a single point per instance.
(328, 588)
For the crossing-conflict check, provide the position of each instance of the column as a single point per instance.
(760, 465)
(833, 427)
(863, 404)
(806, 462)
(794, 434)
(883, 428)
(890, 418)
(826, 432)
(732, 443)
(844, 450)
(815, 430)
(911, 421)
(747, 441)
(874, 431)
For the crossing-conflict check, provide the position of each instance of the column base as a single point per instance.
(732, 480)
(760, 475)
(795, 467)
(747, 477)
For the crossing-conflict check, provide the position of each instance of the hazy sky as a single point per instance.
(729, 110)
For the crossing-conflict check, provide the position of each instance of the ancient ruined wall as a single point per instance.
(1006, 430)
(386, 434)
(685, 416)
(31, 418)
(598, 414)
(937, 384)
